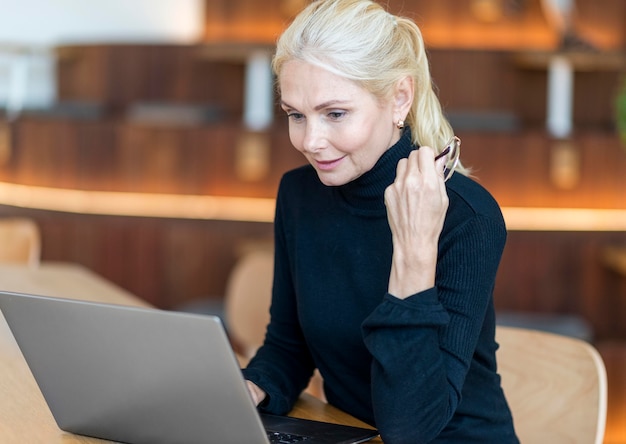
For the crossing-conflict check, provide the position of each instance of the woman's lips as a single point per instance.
(326, 165)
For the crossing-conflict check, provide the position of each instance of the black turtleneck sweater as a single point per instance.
(421, 369)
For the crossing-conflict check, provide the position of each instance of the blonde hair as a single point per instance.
(359, 40)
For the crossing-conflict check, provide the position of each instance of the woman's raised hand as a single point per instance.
(416, 207)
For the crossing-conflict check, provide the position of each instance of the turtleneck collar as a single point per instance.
(366, 193)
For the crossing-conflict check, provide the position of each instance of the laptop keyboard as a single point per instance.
(285, 438)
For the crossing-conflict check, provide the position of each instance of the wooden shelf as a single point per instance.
(231, 52)
(582, 61)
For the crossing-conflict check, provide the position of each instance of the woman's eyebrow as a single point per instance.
(330, 103)
(323, 105)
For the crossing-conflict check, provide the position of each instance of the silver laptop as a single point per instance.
(138, 375)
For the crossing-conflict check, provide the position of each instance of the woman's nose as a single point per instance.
(314, 139)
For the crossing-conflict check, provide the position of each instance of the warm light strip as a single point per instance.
(250, 209)
(564, 219)
(138, 204)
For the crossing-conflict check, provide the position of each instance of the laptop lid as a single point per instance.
(140, 375)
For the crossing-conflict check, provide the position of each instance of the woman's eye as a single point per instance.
(295, 116)
(335, 115)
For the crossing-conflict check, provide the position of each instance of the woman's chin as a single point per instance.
(333, 179)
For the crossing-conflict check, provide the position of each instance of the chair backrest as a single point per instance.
(20, 241)
(556, 386)
(248, 298)
(246, 307)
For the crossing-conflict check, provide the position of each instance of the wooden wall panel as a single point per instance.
(124, 156)
(475, 80)
(479, 81)
(547, 272)
(116, 76)
(516, 166)
(444, 23)
(166, 262)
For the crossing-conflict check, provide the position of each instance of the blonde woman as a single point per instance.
(384, 269)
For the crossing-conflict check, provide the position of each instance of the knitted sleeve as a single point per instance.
(422, 346)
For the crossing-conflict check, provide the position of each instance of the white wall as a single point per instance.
(51, 22)
(27, 80)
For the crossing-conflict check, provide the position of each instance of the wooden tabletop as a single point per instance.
(64, 280)
(24, 415)
(309, 407)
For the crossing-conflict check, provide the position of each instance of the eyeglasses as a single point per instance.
(451, 152)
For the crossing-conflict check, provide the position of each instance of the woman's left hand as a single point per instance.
(416, 208)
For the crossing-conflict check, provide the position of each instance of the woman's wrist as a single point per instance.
(258, 395)
(409, 276)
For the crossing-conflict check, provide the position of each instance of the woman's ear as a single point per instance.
(403, 97)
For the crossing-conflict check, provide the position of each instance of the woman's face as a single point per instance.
(341, 128)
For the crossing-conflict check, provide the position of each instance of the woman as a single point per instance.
(384, 272)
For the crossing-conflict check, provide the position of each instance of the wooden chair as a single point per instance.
(20, 241)
(556, 386)
(247, 300)
(246, 307)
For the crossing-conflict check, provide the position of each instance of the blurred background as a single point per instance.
(144, 140)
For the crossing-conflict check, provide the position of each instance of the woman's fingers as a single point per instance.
(419, 169)
(417, 198)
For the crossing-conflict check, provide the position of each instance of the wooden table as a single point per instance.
(64, 280)
(309, 407)
(24, 415)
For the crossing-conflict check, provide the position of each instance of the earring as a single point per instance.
(400, 124)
